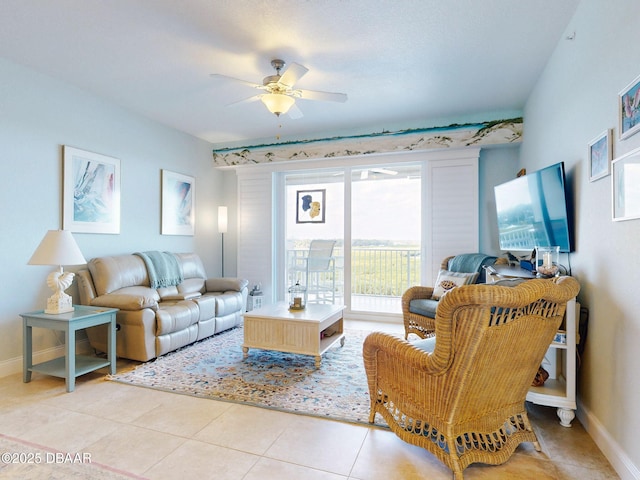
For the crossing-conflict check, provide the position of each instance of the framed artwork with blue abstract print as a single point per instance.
(91, 192)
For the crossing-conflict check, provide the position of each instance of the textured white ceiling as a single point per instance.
(403, 63)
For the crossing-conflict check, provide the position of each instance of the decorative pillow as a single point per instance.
(449, 280)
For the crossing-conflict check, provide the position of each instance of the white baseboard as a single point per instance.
(616, 455)
(14, 365)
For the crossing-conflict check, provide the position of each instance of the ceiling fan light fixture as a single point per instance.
(277, 103)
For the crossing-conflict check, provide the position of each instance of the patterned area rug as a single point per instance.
(214, 368)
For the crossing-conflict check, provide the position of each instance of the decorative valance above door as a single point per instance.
(452, 136)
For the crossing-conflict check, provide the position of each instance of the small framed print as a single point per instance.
(310, 206)
(629, 109)
(625, 186)
(600, 151)
(178, 204)
(91, 192)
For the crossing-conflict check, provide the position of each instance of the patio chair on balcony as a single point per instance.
(318, 271)
(419, 303)
(461, 394)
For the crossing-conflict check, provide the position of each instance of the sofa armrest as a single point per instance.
(130, 298)
(86, 290)
(124, 302)
(226, 284)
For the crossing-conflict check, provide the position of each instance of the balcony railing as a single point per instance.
(374, 271)
(384, 272)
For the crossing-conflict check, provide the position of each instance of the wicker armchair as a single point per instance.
(422, 321)
(465, 401)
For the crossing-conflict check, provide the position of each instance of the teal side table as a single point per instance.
(71, 365)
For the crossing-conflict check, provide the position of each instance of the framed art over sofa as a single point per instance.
(178, 204)
(91, 192)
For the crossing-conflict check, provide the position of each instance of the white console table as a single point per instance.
(559, 390)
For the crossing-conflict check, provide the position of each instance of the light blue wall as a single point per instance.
(573, 102)
(497, 165)
(37, 116)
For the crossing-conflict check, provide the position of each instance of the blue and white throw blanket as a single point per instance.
(163, 268)
(469, 262)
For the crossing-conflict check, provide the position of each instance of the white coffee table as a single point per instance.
(306, 332)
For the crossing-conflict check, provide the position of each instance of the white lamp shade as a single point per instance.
(58, 247)
(222, 220)
(277, 103)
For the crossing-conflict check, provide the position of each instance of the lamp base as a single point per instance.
(59, 302)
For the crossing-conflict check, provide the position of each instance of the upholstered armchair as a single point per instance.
(419, 303)
(461, 394)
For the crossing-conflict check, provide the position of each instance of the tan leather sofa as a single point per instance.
(154, 321)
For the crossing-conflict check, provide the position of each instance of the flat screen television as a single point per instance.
(533, 211)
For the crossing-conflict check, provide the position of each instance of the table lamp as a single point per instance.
(58, 247)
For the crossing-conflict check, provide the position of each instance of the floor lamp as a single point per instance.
(222, 228)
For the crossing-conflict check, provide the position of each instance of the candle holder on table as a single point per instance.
(547, 261)
(297, 297)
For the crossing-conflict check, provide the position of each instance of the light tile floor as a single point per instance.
(159, 435)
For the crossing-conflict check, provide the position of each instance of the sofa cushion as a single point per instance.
(185, 291)
(226, 302)
(113, 273)
(175, 317)
(191, 264)
(424, 306)
(191, 286)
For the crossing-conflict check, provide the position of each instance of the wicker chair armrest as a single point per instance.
(445, 263)
(396, 348)
(414, 293)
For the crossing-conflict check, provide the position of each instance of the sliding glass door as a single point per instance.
(352, 235)
(314, 234)
(384, 236)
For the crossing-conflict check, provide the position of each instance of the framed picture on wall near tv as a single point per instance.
(629, 109)
(625, 186)
(600, 156)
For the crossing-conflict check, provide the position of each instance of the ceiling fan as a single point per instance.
(280, 95)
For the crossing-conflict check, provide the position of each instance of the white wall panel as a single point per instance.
(255, 227)
(451, 211)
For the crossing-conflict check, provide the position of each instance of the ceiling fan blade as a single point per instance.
(323, 96)
(294, 112)
(246, 100)
(250, 84)
(292, 74)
